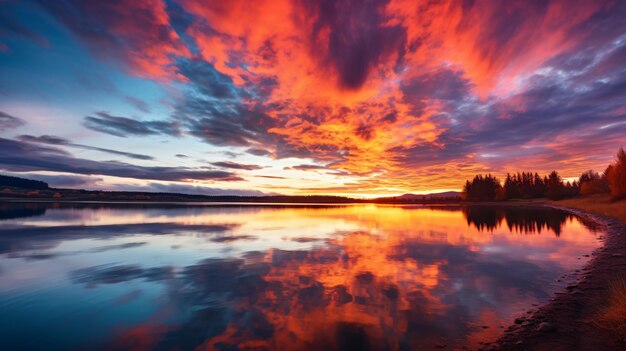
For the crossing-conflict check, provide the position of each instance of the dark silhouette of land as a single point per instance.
(15, 188)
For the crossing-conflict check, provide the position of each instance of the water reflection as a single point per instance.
(518, 219)
(13, 211)
(319, 278)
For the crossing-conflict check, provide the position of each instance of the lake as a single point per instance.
(307, 277)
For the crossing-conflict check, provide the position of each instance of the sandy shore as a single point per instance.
(567, 321)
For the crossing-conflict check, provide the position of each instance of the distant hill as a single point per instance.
(445, 194)
(443, 197)
(23, 183)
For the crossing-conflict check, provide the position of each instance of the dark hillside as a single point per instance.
(22, 183)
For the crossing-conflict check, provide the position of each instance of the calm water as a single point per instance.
(120, 277)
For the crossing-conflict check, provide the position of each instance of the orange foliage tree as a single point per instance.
(616, 175)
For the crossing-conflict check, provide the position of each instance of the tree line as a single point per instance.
(529, 185)
(22, 183)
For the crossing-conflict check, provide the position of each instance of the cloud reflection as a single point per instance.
(359, 291)
(328, 278)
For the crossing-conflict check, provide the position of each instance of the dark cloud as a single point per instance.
(213, 109)
(219, 123)
(94, 276)
(182, 156)
(54, 140)
(179, 18)
(118, 247)
(270, 177)
(9, 122)
(44, 139)
(358, 38)
(138, 104)
(23, 239)
(124, 126)
(304, 239)
(20, 157)
(231, 238)
(259, 152)
(207, 81)
(235, 165)
(441, 84)
(306, 167)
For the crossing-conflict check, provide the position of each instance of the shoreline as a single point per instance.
(566, 322)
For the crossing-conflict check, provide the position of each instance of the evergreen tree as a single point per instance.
(555, 189)
(482, 188)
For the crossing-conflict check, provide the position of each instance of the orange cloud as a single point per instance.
(494, 44)
(341, 69)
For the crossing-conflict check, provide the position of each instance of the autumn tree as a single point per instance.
(592, 182)
(616, 175)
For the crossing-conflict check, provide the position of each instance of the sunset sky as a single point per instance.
(358, 98)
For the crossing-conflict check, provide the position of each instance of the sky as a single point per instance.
(357, 98)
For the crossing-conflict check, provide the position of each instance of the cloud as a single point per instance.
(16, 241)
(354, 39)
(190, 189)
(270, 177)
(306, 167)
(118, 247)
(399, 95)
(135, 33)
(213, 109)
(54, 140)
(94, 276)
(18, 156)
(235, 165)
(259, 152)
(138, 104)
(9, 122)
(431, 85)
(124, 126)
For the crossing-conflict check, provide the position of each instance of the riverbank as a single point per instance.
(596, 204)
(575, 318)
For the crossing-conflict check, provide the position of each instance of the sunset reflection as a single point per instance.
(294, 278)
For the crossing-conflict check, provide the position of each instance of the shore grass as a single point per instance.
(598, 204)
(613, 316)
